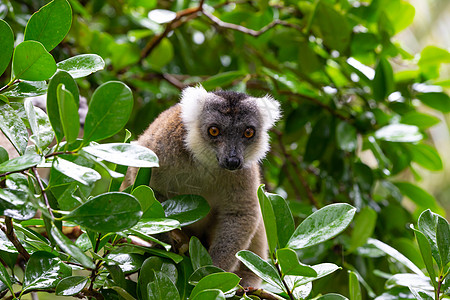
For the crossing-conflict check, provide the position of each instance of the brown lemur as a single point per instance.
(210, 144)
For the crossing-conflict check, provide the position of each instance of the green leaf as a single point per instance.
(318, 140)
(147, 274)
(25, 89)
(268, 215)
(7, 42)
(151, 207)
(431, 59)
(365, 222)
(16, 204)
(20, 163)
(198, 254)
(260, 267)
(421, 120)
(148, 227)
(332, 27)
(420, 294)
(426, 156)
(53, 110)
(109, 212)
(355, 289)
(222, 79)
(332, 296)
(4, 99)
(128, 263)
(44, 270)
(399, 133)
(425, 252)
(70, 286)
(283, 217)
(210, 294)
(187, 209)
(5, 278)
(68, 112)
(124, 154)
(428, 225)
(83, 175)
(322, 270)
(50, 24)
(400, 14)
(443, 240)
(70, 248)
(162, 288)
(413, 280)
(13, 128)
(322, 225)
(288, 261)
(82, 65)
(383, 82)
(40, 126)
(436, 100)
(161, 55)
(124, 55)
(223, 281)
(32, 62)
(395, 255)
(109, 110)
(418, 195)
(117, 275)
(201, 272)
(3, 155)
(346, 136)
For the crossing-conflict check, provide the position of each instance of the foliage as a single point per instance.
(348, 91)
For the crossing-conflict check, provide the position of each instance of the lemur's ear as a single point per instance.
(192, 101)
(270, 111)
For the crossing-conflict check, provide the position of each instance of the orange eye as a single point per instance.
(249, 132)
(213, 131)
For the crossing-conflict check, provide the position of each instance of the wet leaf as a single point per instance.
(187, 209)
(7, 42)
(81, 65)
(71, 285)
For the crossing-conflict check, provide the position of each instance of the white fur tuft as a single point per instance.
(269, 109)
(192, 101)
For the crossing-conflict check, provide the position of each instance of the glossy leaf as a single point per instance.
(288, 261)
(284, 221)
(201, 272)
(187, 209)
(332, 296)
(154, 226)
(50, 24)
(15, 204)
(20, 163)
(162, 288)
(420, 294)
(355, 289)
(395, 255)
(109, 110)
(71, 285)
(222, 281)
(81, 65)
(430, 224)
(322, 225)
(3, 155)
(322, 270)
(399, 133)
(427, 257)
(53, 110)
(109, 212)
(210, 294)
(198, 254)
(32, 62)
(71, 249)
(413, 280)
(5, 278)
(151, 207)
(260, 267)
(147, 274)
(25, 89)
(128, 263)
(222, 79)
(268, 215)
(365, 222)
(40, 126)
(443, 240)
(13, 128)
(346, 136)
(68, 112)
(436, 100)
(124, 154)
(7, 42)
(83, 175)
(43, 271)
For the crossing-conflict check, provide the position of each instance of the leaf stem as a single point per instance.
(10, 84)
(43, 193)
(288, 291)
(9, 231)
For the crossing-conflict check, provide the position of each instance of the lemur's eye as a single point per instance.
(213, 131)
(249, 132)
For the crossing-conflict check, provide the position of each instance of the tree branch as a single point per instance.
(9, 231)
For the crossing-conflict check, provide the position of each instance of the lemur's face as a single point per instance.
(229, 129)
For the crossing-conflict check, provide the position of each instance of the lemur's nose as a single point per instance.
(232, 163)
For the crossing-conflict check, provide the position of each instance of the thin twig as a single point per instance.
(9, 231)
(43, 193)
(289, 292)
(262, 294)
(9, 85)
